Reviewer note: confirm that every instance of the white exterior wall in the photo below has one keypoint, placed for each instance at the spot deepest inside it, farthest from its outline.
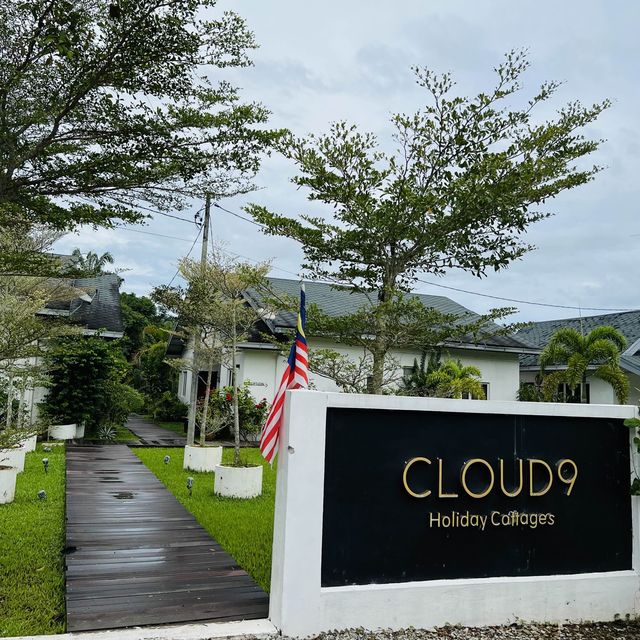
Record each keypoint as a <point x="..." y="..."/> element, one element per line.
<point x="634" y="390"/>
<point x="264" y="368"/>
<point x="601" y="392"/>
<point x="259" y="367"/>
<point x="184" y="390"/>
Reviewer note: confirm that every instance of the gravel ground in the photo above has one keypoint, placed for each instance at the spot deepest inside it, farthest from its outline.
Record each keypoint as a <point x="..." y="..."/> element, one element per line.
<point x="600" y="631"/>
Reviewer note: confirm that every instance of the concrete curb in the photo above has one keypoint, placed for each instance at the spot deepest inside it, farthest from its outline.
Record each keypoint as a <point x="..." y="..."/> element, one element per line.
<point x="197" y="631"/>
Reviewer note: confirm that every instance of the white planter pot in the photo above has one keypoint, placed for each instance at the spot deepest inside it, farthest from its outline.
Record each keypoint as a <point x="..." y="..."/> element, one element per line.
<point x="201" y="458"/>
<point x="79" y="431"/>
<point x="8" y="477"/>
<point x="238" y="482"/>
<point x="63" y="431"/>
<point x="29" y="444"/>
<point x="13" y="458"/>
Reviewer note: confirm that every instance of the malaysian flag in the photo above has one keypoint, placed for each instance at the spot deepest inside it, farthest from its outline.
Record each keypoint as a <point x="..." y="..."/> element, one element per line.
<point x="296" y="376"/>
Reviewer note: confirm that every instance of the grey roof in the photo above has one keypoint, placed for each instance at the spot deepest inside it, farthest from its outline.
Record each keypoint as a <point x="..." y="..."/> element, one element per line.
<point x="337" y="302"/>
<point x="103" y="311"/>
<point x="628" y="323"/>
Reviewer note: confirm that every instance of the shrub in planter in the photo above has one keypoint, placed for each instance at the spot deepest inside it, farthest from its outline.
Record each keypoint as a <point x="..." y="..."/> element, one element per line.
<point x="209" y="422"/>
<point x="240" y="481"/>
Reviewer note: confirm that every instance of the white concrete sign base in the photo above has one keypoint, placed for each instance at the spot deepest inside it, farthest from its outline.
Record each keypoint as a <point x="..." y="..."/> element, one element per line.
<point x="300" y="606"/>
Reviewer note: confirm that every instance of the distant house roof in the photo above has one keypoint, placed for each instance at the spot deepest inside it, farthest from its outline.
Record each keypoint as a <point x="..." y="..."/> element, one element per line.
<point x="628" y="323"/>
<point x="96" y="309"/>
<point x="338" y="302"/>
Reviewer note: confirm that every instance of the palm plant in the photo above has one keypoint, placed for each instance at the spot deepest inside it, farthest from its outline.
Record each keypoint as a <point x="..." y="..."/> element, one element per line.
<point x="578" y="354"/>
<point x="453" y="380"/>
<point x="417" y="382"/>
<point x="92" y="264"/>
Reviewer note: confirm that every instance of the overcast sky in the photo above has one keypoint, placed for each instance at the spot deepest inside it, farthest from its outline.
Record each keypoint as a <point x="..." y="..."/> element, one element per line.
<point x="326" y="61"/>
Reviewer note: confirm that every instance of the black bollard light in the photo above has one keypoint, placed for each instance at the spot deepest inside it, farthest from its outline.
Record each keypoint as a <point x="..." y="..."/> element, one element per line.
<point x="167" y="459"/>
<point x="190" y="485"/>
<point x="42" y="494"/>
<point x="45" y="463"/>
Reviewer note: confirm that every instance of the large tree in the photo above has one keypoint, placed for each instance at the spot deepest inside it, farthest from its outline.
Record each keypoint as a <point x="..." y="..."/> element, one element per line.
<point x="468" y="176"/>
<point x="107" y="106"/>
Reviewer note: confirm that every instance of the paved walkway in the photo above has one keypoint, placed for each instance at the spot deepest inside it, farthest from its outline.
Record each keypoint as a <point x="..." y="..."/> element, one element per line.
<point x="135" y="556"/>
<point x="152" y="435"/>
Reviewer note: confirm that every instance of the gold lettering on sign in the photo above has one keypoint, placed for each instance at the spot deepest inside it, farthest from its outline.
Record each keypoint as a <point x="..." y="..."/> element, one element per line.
<point x="511" y="494"/>
<point x="441" y="493"/>
<point x="572" y="480"/>
<point x="466" y="468"/>
<point x="533" y="493"/>
<point x="408" y="466"/>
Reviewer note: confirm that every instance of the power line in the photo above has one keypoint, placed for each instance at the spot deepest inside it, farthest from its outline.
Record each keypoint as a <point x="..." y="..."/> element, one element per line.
<point x="151" y="233"/>
<point x="433" y="284"/>
<point x="237" y="215"/>
<point x="149" y="209"/>
<point x="538" y="304"/>
<point x="175" y="275"/>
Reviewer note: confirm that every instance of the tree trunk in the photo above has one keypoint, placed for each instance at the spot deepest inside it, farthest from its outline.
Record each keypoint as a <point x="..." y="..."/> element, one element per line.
<point x="10" y="400"/>
<point x="380" y="344"/>
<point x="234" y="384"/>
<point x="377" y="371"/>
<point x="583" y="389"/>
<point x="23" y="390"/>
<point x="205" y="406"/>
<point x="193" y="394"/>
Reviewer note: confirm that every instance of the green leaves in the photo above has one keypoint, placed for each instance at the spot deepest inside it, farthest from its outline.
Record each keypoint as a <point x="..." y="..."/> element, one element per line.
<point x="578" y="354"/>
<point x="459" y="192"/>
<point x="107" y="105"/>
<point x="85" y="381"/>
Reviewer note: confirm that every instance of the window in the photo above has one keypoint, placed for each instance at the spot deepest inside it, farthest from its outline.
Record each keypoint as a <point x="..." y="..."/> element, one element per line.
<point x="407" y="371"/>
<point x="566" y="394"/>
<point x="485" y="388"/>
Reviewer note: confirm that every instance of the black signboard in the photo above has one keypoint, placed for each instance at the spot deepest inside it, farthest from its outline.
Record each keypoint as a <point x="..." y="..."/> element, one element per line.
<point x="413" y="495"/>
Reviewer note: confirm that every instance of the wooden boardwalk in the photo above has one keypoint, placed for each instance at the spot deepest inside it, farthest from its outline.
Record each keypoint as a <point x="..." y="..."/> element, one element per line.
<point x="152" y="435"/>
<point x="135" y="556"/>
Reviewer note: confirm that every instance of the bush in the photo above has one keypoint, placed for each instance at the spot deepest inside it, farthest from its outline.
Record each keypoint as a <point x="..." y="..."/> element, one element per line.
<point x="121" y="401"/>
<point x="167" y="407"/>
<point x="529" y="392"/>
<point x="252" y="415"/>
<point x="85" y="381"/>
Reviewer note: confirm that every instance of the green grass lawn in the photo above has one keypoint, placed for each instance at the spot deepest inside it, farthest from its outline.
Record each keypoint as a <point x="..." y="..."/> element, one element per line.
<point x="124" y="436"/>
<point x="178" y="427"/>
<point x="243" y="527"/>
<point x="31" y="547"/>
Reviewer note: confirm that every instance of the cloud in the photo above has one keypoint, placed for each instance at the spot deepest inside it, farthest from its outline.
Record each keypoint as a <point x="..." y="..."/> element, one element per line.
<point x="322" y="62"/>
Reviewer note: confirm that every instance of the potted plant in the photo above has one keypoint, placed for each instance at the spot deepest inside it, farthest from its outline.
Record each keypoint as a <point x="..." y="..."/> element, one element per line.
<point x="12" y="456"/>
<point x="217" y="316"/>
<point x="202" y="456"/>
<point x="240" y="480"/>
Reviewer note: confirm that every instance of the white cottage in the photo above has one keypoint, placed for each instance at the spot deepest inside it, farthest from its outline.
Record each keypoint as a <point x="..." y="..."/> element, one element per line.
<point x="597" y="391"/>
<point x="260" y="362"/>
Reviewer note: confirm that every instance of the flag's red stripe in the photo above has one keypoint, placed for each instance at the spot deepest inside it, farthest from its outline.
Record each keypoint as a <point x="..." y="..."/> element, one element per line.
<point x="295" y="376"/>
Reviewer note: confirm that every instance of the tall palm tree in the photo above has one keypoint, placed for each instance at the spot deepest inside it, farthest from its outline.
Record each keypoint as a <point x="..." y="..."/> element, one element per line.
<point x="92" y="264"/>
<point x="453" y="380"/>
<point x="600" y="348"/>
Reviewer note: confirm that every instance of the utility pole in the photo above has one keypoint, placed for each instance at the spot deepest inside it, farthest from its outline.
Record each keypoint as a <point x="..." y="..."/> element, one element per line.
<point x="195" y="373"/>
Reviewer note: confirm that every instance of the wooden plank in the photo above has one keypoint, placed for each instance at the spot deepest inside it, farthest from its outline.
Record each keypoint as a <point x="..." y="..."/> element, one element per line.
<point x="136" y="556"/>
